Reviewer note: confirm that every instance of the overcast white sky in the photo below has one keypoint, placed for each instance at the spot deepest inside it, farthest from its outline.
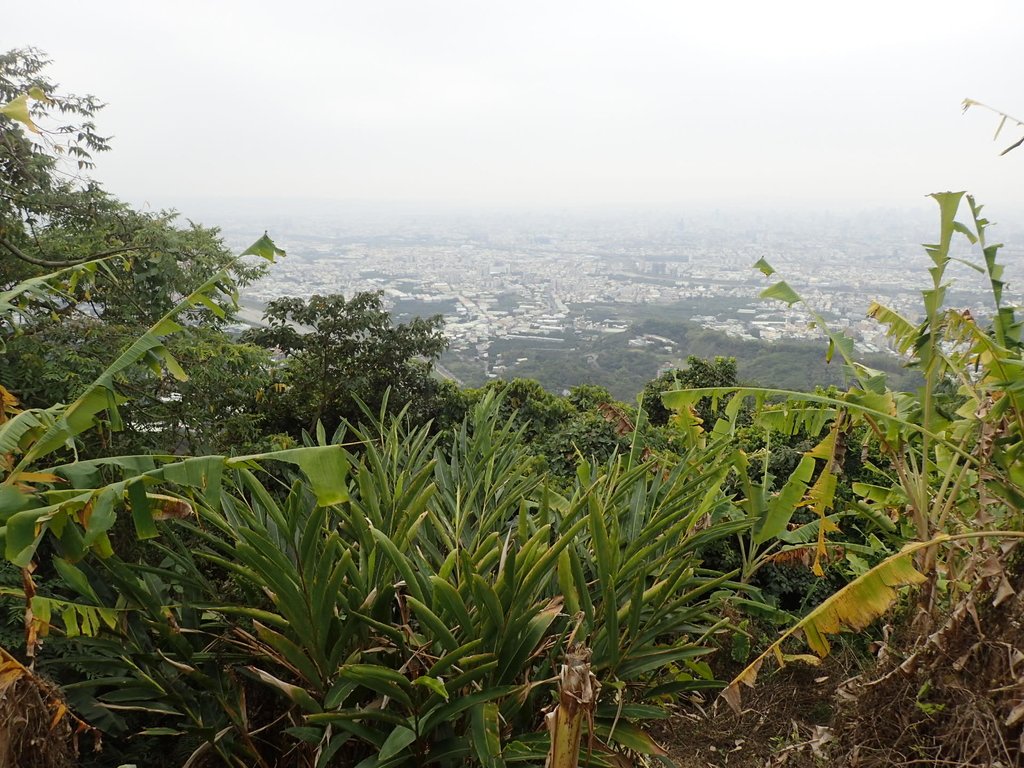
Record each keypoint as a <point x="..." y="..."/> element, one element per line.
<point x="541" y="103"/>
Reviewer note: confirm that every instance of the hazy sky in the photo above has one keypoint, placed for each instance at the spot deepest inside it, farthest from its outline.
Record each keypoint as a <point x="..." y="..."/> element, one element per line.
<point x="543" y="102"/>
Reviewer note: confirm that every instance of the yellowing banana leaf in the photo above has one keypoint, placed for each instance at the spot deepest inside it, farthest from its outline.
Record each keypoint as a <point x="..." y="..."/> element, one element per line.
<point x="17" y="109"/>
<point x="853" y="607"/>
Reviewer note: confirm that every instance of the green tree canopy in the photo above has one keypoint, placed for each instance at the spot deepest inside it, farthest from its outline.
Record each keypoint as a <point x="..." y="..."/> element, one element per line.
<point x="340" y="351"/>
<point x="698" y="373"/>
<point x="137" y="265"/>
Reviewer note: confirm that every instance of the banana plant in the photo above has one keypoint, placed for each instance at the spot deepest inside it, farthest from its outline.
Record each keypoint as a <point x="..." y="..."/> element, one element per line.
<point x="852" y="608"/>
<point x="30" y="497"/>
<point x="951" y="447"/>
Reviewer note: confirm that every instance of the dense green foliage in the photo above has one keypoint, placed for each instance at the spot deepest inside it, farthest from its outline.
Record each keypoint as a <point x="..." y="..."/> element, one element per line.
<point x="443" y="591"/>
<point x="341" y="354"/>
<point x="721" y="372"/>
<point x="399" y="585"/>
<point x="124" y="270"/>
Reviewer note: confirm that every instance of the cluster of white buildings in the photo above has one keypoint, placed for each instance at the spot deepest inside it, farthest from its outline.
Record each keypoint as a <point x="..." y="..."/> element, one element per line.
<point x="507" y="283"/>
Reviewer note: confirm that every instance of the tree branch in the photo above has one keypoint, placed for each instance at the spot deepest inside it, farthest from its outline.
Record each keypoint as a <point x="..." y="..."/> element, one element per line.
<point x="18" y="253"/>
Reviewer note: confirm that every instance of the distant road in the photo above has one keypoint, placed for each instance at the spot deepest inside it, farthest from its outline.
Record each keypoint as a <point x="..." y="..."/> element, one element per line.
<point x="446" y="374"/>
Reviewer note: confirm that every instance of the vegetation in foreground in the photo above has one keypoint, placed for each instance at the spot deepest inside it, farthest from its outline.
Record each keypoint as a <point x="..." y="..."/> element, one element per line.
<point x="331" y="559"/>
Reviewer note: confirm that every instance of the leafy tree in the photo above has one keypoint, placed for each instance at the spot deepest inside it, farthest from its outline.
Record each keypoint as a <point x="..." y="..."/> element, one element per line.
<point x="588" y="435"/>
<point x="38" y="189"/>
<point x="588" y="424"/>
<point x="217" y="409"/>
<point x="136" y="266"/>
<point x="698" y="373"/>
<point x="52" y="215"/>
<point x="339" y="352"/>
<point x="589" y="396"/>
<point x="436" y="400"/>
<point x="951" y="479"/>
<point x="538" y="411"/>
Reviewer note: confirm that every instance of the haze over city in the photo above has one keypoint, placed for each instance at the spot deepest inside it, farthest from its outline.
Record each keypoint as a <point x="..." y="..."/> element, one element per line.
<point x="548" y="176"/>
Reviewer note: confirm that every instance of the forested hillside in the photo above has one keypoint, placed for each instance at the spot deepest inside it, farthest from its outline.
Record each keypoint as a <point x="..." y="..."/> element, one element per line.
<point x="303" y="548"/>
<point x="611" y="361"/>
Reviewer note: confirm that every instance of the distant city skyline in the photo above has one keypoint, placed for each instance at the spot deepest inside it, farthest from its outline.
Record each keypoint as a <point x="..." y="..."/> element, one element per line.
<point x="534" y="104"/>
<point x="516" y="290"/>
